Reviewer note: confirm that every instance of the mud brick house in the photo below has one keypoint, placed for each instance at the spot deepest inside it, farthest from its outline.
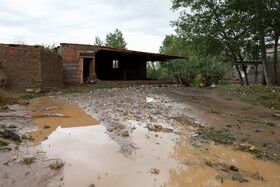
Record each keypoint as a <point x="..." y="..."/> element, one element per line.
<point x="31" y="67"/>
<point x="81" y="61"/>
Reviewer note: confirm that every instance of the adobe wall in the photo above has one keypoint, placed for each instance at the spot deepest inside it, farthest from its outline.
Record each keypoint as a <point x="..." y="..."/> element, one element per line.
<point x="30" y="67"/>
<point x="52" y="70"/>
<point x="22" y="66"/>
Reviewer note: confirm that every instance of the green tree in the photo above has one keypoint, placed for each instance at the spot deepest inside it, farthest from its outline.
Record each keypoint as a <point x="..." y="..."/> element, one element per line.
<point x="115" y="39"/>
<point x="98" y="41"/>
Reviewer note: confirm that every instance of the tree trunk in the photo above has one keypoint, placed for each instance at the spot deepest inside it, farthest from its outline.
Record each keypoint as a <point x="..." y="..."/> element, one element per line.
<point x="275" y="60"/>
<point x="239" y="73"/>
<point x="264" y="60"/>
<point x="245" y="73"/>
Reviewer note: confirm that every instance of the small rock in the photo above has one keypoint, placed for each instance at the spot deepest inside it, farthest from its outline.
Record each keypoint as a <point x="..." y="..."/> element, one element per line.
<point x="29" y="90"/>
<point x="125" y="134"/>
<point x="233" y="168"/>
<point x="37" y="91"/>
<point x="238" y="177"/>
<point x="277" y="115"/>
<point x="10" y="135"/>
<point x="252" y="148"/>
<point x="92" y="185"/>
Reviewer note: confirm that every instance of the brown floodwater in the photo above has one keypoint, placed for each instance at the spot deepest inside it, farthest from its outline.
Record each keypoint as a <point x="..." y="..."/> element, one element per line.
<point x="161" y="159"/>
<point x="51" y="114"/>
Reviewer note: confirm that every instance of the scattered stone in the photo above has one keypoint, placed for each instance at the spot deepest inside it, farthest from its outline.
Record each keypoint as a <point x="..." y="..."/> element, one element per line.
<point x="37" y="91"/>
<point x="233" y="168"/>
<point x="29" y="90"/>
<point x="125" y="134"/>
<point x="154" y="171"/>
<point x="92" y="185"/>
<point x="238" y="177"/>
<point x="10" y="135"/>
<point x="277" y="115"/>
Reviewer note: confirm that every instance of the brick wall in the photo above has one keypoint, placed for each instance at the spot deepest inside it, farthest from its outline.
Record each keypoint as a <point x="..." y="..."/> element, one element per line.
<point x="52" y="70"/>
<point x="71" y="61"/>
<point x="30" y="67"/>
<point x="70" y="64"/>
<point x="22" y="66"/>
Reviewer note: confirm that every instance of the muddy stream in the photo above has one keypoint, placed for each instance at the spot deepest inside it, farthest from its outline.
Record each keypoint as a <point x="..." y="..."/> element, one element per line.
<point x="160" y="158"/>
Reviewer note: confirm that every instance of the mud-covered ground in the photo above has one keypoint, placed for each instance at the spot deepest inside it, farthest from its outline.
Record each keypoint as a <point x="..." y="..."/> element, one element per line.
<point x="160" y="135"/>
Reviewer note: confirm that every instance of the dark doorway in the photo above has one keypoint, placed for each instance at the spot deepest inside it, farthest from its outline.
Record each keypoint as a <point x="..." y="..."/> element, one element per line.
<point x="86" y="69"/>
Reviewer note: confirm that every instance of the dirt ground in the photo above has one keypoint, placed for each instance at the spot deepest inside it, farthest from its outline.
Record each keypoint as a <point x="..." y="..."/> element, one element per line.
<point x="149" y="135"/>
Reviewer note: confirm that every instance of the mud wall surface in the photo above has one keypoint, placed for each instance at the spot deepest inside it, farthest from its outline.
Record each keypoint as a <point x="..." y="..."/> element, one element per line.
<point x="52" y="70"/>
<point x="22" y="66"/>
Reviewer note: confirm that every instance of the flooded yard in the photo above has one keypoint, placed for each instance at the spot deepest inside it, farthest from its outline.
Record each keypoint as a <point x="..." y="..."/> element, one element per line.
<point x="135" y="137"/>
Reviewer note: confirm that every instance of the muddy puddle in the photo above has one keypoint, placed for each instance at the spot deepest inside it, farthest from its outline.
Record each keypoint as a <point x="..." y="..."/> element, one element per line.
<point x="161" y="159"/>
<point x="51" y="114"/>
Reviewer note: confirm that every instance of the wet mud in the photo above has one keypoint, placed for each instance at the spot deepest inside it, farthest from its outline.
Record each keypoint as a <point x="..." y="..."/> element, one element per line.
<point x="102" y="155"/>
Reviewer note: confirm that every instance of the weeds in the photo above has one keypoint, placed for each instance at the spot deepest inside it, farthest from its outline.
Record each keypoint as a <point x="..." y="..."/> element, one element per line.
<point x="47" y="126"/>
<point x="219" y="136"/>
<point x="28" y="161"/>
<point x="56" y="165"/>
<point x="182" y="120"/>
<point x="268" y="96"/>
<point x="25" y="137"/>
<point x="214" y="111"/>
<point x="2" y="143"/>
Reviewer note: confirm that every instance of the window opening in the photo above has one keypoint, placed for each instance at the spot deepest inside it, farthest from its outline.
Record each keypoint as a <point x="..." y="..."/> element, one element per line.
<point x="115" y="64"/>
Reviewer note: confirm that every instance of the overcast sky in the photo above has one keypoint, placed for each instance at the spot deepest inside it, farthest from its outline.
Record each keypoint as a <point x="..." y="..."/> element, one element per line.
<point x="144" y="23"/>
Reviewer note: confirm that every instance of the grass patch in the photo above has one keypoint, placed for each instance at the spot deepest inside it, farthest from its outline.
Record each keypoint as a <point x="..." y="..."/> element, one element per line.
<point x="268" y="96"/>
<point x="25" y="137"/>
<point x="219" y="136"/>
<point x="3" y="143"/>
<point x="214" y="111"/>
<point x="270" y="124"/>
<point x="47" y="126"/>
<point x="28" y="161"/>
<point x="182" y="120"/>
<point x="5" y="149"/>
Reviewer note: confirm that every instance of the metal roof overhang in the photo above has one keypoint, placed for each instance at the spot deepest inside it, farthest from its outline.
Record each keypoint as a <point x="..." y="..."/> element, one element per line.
<point x="145" y="55"/>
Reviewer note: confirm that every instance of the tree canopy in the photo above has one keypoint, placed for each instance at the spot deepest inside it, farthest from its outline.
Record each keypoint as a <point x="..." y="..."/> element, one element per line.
<point x="240" y="27"/>
<point x="115" y="39"/>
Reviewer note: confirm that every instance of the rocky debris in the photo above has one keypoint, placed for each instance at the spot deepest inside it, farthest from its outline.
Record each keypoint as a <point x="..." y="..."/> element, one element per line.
<point x="154" y="171"/>
<point x="29" y="90"/>
<point x="92" y="185"/>
<point x="233" y="168"/>
<point x="277" y="115"/>
<point x="158" y="128"/>
<point x="10" y="135"/>
<point x="125" y="134"/>
<point x="238" y="177"/>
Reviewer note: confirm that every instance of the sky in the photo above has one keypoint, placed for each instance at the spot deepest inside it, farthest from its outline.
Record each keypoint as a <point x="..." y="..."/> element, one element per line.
<point x="144" y="23"/>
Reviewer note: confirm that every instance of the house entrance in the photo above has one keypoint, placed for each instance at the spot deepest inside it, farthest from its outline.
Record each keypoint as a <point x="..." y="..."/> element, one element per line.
<point x="87" y="65"/>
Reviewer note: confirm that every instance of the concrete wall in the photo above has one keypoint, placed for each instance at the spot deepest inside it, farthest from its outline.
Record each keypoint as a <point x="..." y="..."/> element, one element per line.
<point x="29" y="66"/>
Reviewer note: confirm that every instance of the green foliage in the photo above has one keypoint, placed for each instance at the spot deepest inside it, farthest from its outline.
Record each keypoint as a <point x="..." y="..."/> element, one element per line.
<point x="49" y="47"/>
<point x="115" y="39"/>
<point x="98" y="41"/>
<point x="204" y="60"/>
<point x="211" y="70"/>
<point x="3" y="143"/>
<point x="156" y="71"/>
